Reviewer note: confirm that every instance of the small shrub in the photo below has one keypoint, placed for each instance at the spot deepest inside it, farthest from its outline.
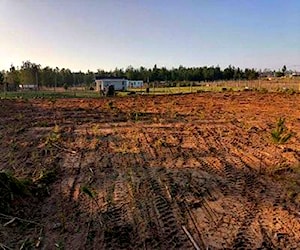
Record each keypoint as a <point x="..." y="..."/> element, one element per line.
<point x="54" y="136"/>
<point x="263" y="90"/>
<point x="291" y="91"/>
<point x="87" y="191"/>
<point x="136" y="116"/>
<point x="280" y="134"/>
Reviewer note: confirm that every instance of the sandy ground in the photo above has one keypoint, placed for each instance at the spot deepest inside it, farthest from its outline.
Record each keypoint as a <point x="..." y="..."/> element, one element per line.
<point x="153" y="172"/>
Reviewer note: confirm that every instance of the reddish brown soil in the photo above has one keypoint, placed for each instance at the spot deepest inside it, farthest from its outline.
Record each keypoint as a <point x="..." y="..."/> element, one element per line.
<point x="153" y="166"/>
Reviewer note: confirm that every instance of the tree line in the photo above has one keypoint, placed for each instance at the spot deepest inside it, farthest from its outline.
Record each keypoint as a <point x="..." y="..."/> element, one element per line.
<point x="181" y="73"/>
<point x="32" y="73"/>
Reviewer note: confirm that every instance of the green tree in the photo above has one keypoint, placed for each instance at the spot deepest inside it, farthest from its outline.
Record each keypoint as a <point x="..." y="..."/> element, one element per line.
<point x="283" y="69"/>
<point x="251" y="74"/>
<point x="66" y="77"/>
<point x="118" y="73"/>
<point x="279" y="74"/>
<point x="154" y="73"/>
<point x="30" y="73"/>
<point x="13" y="76"/>
<point x="229" y="73"/>
<point x="129" y="72"/>
<point x="89" y="78"/>
<point x="238" y="74"/>
<point x="47" y="77"/>
<point x="218" y="73"/>
<point x="1" y="77"/>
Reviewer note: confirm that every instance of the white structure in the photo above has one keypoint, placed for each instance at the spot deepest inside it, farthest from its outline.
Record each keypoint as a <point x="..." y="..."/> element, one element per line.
<point x="118" y="83"/>
<point x="295" y="74"/>
<point x="135" y="84"/>
<point x="28" y="86"/>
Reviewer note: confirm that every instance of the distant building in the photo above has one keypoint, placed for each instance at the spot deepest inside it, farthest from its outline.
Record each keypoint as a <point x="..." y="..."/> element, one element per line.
<point x="135" y="84"/>
<point x="295" y="74"/>
<point x="28" y="87"/>
<point x="117" y="83"/>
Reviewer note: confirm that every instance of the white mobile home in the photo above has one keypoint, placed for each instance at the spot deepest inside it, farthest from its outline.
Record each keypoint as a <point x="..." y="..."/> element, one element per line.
<point x="118" y="83"/>
<point x="28" y="86"/>
<point x="135" y="84"/>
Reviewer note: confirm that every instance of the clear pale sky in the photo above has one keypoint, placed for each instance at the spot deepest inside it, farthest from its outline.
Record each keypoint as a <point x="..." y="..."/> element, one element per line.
<point x="105" y="34"/>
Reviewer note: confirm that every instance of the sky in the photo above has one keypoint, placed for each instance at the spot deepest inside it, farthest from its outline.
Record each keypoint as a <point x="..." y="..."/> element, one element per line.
<point x="105" y="34"/>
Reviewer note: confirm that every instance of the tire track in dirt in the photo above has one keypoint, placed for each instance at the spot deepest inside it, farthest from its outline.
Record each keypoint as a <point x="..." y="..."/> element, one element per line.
<point x="208" y="168"/>
<point x="202" y="173"/>
<point x="267" y="242"/>
<point x="246" y="154"/>
<point x="281" y="224"/>
<point x="174" y="236"/>
<point x="150" y="149"/>
<point x="236" y="183"/>
<point x="149" y="236"/>
<point x="119" y="229"/>
<point x="243" y="182"/>
<point x="244" y="237"/>
<point x="118" y="233"/>
<point x="73" y="179"/>
<point x="159" y="209"/>
<point x="240" y="181"/>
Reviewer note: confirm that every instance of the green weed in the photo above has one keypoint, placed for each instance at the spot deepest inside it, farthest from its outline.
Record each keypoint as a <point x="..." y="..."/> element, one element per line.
<point x="88" y="192"/>
<point x="54" y="136"/>
<point x="280" y="134"/>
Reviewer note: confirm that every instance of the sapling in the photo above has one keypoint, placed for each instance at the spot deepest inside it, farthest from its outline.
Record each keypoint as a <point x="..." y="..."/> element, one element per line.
<point x="280" y="134"/>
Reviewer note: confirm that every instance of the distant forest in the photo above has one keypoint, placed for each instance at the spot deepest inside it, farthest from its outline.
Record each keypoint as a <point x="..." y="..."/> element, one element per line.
<point x="31" y="73"/>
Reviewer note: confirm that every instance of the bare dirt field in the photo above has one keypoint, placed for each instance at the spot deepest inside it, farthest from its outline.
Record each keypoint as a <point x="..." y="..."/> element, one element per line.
<point x="150" y="172"/>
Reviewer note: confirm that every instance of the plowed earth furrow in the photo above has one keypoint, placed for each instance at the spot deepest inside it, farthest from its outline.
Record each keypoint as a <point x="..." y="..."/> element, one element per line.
<point x="152" y="172"/>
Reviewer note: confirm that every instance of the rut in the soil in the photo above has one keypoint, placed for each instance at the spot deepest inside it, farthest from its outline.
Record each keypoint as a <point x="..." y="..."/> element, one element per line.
<point x="170" y="229"/>
<point x="118" y="234"/>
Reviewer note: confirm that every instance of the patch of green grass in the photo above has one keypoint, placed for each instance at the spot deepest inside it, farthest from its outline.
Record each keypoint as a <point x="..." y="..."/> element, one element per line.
<point x="187" y="89"/>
